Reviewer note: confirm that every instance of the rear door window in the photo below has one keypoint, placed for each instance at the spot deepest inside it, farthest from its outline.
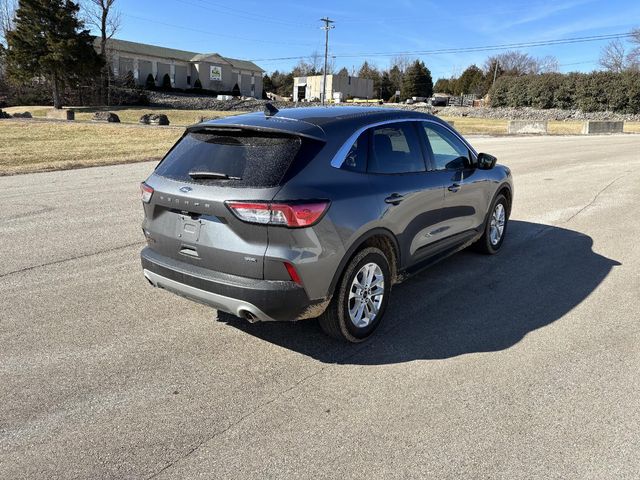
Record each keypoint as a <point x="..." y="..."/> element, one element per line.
<point x="236" y="158"/>
<point x="395" y="148"/>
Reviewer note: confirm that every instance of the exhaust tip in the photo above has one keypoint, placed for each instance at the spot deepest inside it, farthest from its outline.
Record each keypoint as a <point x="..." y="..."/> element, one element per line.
<point x="247" y="315"/>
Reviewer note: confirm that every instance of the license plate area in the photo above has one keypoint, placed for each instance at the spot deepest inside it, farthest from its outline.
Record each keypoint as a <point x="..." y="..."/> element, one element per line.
<point x="188" y="228"/>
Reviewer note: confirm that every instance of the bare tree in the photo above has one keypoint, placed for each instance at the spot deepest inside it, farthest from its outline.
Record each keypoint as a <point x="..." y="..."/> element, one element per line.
<point x="7" y="14"/>
<point x="102" y="15"/>
<point x="548" y="64"/>
<point x="316" y="60"/>
<point x="514" y="62"/>
<point x="613" y="56"/>
<point x="401" y="61"/>
<point x="633" y="58"/>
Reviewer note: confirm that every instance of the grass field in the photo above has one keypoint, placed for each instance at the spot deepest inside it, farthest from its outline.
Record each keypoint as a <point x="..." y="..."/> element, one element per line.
<point x="133" y="114"/>
<point x="33" y="146"/>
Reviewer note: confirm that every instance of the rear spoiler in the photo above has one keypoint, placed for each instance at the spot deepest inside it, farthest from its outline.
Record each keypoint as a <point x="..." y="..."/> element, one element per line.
<point x="260" y="123"/>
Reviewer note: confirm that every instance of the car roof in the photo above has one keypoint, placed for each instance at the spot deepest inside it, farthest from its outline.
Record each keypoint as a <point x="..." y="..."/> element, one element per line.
<point x="314" y="122"/>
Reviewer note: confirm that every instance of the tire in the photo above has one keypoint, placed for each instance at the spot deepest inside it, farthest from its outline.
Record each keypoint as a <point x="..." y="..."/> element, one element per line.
<point x="487" y="244"/>
<point x="337" y="321"/>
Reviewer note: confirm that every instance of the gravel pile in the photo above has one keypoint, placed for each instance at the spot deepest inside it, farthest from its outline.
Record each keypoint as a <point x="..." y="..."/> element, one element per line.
<point x="195" y="102"/>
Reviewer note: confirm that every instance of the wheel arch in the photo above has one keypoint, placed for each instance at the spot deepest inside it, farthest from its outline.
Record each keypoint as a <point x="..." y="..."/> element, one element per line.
<point x="378" y="237"/>
<point x="505" y="189"/>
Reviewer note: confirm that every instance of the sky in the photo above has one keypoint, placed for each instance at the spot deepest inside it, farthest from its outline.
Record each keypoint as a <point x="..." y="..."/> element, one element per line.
<point x="373" y="30"/>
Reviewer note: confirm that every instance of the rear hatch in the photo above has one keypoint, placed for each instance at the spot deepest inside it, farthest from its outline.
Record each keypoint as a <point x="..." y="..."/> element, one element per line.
<point x="187" y="219"/>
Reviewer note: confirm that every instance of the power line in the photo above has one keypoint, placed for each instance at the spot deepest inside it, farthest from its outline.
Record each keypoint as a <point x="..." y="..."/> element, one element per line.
<point x="485" y="48"/>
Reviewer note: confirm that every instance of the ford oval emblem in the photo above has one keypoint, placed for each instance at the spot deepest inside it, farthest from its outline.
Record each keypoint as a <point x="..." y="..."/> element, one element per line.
<point x="185" y="189"/>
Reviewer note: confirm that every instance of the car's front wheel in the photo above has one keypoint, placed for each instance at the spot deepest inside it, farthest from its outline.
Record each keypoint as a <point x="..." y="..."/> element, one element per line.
<point x="360" y="299"/>
<point x="495" y="227"/>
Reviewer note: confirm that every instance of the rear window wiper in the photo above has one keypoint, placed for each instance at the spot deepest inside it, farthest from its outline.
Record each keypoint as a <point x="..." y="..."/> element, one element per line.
<point x="217" y="175"/>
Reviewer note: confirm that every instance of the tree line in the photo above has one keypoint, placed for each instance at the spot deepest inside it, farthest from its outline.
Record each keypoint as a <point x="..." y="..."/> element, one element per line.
<point x="589" y="92"/>
<point x="411" y="78"/>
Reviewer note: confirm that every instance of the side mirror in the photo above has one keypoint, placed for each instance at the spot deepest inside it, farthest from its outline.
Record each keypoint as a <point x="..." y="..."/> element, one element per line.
<point x="486" y="161"/>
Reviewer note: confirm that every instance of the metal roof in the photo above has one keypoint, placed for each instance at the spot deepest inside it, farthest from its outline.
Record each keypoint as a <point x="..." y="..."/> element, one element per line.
<point x="171" y="53"/>
<point x="150" y="50"/>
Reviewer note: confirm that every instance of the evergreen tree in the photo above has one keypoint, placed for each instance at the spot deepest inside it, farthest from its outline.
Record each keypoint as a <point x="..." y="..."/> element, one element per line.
<point x="371" y="73"/>
<point x="387" y="90"/>
<point x="150" y="83"/>
<point x="443" y="85"/>
<point x="417" y="81"/>
<point x="49" y="42"/>
<point x="396" y="76"/>
<point x="471" y="81"/>
<point x="235" y="91"/>
<point x="267" y="84"/>
<point x="343" y="72"/>
<point x="166" y="83"/>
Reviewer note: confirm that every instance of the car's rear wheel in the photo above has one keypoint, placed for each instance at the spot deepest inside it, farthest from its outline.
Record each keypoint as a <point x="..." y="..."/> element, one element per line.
<point x="360" y="299"/>
<point x="495" y="227"/>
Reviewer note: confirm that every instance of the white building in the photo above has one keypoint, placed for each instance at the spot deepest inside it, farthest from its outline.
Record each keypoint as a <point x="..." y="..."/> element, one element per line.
<point x="339" y="87"/>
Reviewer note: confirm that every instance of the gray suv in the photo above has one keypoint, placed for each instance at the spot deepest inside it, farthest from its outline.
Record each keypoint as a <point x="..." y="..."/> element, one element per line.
<point x="316" y="212"/>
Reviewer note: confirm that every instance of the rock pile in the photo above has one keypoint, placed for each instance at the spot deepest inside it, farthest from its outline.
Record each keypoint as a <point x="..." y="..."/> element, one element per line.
<point x="22" y="115"/>
<point x="154" y="119"/>
<point x="109" y="117"/>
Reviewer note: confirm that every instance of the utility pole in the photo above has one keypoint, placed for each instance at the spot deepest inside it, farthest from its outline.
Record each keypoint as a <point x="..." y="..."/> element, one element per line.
<point x="495" y="72"/>
<point x="327" y="26"/>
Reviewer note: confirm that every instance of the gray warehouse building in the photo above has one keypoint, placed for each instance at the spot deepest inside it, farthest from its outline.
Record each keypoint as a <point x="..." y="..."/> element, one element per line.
<point x="339" y="87"/>
<point x="184" y="68"/>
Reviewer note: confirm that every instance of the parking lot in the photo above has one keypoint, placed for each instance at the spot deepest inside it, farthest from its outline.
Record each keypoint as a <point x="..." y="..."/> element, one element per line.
<point x="522" y="365"/>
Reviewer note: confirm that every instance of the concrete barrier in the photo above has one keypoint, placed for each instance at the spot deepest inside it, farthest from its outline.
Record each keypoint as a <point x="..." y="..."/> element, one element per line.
<point x="527" y="127"/>
<point x="61" y="114"/>
<point x="595" y="127"/>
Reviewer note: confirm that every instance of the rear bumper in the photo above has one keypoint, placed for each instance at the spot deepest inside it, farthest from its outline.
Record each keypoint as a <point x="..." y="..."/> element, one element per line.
<point x="263" y="300"/>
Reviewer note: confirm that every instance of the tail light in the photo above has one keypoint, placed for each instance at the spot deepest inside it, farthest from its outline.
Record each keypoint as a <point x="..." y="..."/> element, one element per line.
<point x="145" y="192"/>
<point x="292" y="215"/>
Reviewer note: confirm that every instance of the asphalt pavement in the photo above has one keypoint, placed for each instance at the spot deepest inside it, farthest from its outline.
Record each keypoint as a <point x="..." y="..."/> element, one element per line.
<point x="521" y="365"/>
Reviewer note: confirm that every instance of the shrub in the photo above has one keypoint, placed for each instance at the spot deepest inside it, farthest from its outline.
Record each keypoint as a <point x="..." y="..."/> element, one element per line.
<point x="631" y="82"/>
<point x="197" y="84"/>
<point x="591" y="95"/>
<point x="236" y="91"/>
<point x="542" y="88"/>
<point x="565" y="95"/>
<point x="166" y="83"/>
<point x="518" y="93"/>
<point x="498" y="92"/>
<point x="150" y="83"/>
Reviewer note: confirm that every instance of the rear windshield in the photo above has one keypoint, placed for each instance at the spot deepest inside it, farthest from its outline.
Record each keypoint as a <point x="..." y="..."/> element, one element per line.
<point x="238" y="158"/>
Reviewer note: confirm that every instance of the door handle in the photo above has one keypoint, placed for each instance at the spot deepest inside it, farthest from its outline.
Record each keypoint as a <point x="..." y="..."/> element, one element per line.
<point x="394" y="199"/>
<point x="454" y="188"/>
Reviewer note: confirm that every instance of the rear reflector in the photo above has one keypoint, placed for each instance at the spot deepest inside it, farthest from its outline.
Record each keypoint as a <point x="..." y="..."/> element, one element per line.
<point x="292" y="215"/>
<point x="293" y="273"/>
<point x="145" y="192"/>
